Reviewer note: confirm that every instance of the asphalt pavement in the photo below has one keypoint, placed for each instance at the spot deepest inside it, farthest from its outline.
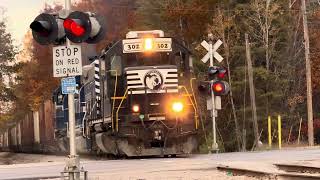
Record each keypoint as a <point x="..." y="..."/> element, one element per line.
<point x="191" y="167"/>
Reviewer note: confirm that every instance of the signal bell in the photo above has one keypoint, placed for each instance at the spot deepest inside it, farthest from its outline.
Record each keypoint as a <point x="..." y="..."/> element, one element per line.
<point x="47" y="29"/>
<point x="216" y="71"/>
<point x="84" y="27"/>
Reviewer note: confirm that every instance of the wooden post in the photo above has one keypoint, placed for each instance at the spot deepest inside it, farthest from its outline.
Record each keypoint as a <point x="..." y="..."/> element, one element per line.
<point x="279" y="132"/>
<point x="36" y="127"/>
<point x="299" y="131"/>
<point x="269" y="132"/>
<point x="308" y="73"/>
<point x="252" y="92"/>
<point x="289" y="137"/>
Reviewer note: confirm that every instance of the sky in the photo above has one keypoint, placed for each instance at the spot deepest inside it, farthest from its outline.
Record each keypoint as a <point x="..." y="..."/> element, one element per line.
<point x="20" y="13"/>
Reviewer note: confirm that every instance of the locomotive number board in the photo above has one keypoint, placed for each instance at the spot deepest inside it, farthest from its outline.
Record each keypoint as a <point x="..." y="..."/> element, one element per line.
<point x="147" y="45"/>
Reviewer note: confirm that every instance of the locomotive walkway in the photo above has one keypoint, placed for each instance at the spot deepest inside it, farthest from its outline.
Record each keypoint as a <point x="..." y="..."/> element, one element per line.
<point x="204" y="167"/>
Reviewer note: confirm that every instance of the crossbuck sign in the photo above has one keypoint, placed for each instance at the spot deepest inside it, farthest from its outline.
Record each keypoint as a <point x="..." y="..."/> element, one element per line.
<point x="212" y="52"/>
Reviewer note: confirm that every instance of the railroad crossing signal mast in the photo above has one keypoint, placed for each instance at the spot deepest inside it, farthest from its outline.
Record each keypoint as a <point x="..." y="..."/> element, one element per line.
<point x="76" y="27"/>
<point x="214" y="86"/>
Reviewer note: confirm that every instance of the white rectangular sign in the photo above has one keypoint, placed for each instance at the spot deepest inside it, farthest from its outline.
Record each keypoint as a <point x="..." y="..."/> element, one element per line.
<point x="137" y="45"/>
<point x="67" y="61"/>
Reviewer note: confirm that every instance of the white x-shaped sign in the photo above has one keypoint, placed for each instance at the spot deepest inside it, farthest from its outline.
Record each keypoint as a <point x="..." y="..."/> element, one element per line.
<point x="214" y="51"/>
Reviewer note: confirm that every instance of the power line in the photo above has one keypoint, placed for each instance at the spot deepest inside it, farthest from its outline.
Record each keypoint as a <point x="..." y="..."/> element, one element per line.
<point x="197" y="10"/>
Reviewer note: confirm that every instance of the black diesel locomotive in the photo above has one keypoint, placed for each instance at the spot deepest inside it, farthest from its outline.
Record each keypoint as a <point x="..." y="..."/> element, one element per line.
<point x="136" y="99"/>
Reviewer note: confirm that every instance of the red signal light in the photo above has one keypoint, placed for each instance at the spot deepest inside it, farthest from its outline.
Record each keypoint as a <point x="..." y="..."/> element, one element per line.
<point x="218" y="87"/>
<point x="77" y="29"/>
<point x="74" y="27"/>
<point x="67" y="24"/>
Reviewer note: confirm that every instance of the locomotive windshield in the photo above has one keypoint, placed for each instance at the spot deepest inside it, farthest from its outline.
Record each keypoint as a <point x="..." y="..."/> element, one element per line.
<point x="147" y="59"/>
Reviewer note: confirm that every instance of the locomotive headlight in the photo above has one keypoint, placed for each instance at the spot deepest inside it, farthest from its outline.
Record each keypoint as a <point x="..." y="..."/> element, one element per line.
<point x="148" y="44"/>
<point x="177" y="107"/>
<point x="135" y="108"/>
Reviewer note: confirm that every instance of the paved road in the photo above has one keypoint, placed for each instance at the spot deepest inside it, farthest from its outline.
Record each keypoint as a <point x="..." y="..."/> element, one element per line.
<point x="194" y="167"/>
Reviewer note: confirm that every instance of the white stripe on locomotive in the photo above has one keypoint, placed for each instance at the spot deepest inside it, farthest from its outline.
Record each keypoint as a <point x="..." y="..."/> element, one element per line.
<point x="97" y="84"/>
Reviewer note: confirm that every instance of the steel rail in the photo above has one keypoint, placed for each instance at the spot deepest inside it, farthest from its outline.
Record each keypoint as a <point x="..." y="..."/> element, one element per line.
<point x="298" y="168"/>
<point x="265" y="174"/>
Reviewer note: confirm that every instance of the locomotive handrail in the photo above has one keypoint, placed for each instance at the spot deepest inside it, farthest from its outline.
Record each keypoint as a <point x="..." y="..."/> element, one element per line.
<point x="194" y="96"/>
<point x="81" y="90"/>
<point x="90" y="112"/>
<point x="195" y="110"/>
<point x="85" y="113"/>
<point x="114" y="96"/>
<point x="83" y="125"/>
<point x="195" y="100"/>
<point x="117" y="113"/>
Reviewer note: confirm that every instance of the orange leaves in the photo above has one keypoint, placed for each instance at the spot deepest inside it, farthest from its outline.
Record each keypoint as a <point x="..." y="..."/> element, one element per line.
<point x="118" y="16"/>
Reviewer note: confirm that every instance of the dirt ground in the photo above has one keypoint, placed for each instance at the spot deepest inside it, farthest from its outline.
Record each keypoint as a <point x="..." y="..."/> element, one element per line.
<point x="7" y="158"/>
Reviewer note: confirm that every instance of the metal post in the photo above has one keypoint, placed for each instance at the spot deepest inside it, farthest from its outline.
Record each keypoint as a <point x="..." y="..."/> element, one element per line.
<point x="214" y="112"/>
<point x="72" y="137"/>
<point x="73" y="162"/>
<point x="68" y="8"/>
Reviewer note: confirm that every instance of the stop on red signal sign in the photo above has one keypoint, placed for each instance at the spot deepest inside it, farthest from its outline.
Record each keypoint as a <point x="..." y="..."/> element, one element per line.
<point x="67" y="61"/>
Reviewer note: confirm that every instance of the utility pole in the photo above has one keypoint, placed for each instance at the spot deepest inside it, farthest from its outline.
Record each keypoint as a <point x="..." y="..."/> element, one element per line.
<point x="308" y="73"/>
<point x="252" y="92"/>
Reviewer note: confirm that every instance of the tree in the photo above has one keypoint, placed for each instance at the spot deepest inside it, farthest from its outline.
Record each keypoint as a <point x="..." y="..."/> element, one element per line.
<point x="36" y="83"/>
<point x="183" y="19"/>
<point x="7" y="69"/>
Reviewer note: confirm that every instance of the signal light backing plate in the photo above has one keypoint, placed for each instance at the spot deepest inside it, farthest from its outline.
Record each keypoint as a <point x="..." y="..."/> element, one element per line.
<point x="52" y="32"/>
<point x="101" y="34"/>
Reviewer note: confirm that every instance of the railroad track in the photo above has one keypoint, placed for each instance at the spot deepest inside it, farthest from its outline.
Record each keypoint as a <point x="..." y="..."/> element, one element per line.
<point x="292" y="172"/>
<point x="298" y="168"/>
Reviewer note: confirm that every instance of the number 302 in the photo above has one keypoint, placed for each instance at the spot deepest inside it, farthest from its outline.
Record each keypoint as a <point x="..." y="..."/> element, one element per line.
<point x="133" y="46"/>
